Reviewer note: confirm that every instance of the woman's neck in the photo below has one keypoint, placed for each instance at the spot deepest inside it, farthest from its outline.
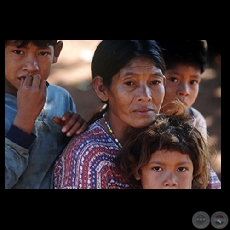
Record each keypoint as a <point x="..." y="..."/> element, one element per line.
<point x="114" y="128"/>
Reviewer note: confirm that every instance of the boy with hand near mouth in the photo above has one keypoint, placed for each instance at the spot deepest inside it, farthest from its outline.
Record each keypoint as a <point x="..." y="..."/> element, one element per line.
<point x="39" y="118"/>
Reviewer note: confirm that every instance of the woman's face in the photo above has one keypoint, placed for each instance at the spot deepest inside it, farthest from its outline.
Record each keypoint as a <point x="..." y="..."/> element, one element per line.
<point x="136" y="94"/>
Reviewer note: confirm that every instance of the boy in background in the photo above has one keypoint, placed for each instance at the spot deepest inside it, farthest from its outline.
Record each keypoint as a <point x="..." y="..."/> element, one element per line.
<point x="186" y="61"/>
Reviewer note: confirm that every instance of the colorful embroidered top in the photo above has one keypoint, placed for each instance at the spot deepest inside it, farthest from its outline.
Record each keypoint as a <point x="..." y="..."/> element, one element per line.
<point x="214" y="182"/>
<point x="88" y="162"/>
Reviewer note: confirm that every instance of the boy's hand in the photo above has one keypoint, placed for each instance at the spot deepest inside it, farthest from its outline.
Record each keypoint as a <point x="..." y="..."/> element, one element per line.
<point x="31" y="97"/>
<point x="72" y="123"/>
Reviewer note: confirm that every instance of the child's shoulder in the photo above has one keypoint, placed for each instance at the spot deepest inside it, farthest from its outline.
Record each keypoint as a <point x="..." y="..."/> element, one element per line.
<point x="56" y="89"/>
<point x="194" y="112"/>
<point x="200" y="121"/>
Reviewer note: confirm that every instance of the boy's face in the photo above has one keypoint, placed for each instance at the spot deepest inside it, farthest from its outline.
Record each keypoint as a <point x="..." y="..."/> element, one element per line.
<point x="25" y="62"/>
<point x="167" y="170"/>
<point x="182" y="82"/>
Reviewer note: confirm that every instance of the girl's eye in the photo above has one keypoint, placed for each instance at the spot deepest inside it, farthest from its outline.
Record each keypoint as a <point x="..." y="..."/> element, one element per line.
<point x="157" y="168"/>
<point x="181" y="169"/>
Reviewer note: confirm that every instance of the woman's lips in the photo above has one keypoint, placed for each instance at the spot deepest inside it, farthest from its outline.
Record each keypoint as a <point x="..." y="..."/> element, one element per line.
<point x="143" y="111"/>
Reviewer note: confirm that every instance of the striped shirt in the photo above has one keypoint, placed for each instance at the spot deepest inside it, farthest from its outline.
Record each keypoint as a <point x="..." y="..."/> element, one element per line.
<point x="88" y="162"/>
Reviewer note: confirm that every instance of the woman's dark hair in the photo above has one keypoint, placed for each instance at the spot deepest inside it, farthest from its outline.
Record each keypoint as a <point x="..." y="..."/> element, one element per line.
<point x="189" y="52"/>
<point x="111" y="56"/>
<point x="174" y="132"/>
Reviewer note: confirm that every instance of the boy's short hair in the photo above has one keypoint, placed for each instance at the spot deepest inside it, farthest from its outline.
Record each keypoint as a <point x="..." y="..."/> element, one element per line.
<point x="39" y="43"/>
<point x="188" y="52"/>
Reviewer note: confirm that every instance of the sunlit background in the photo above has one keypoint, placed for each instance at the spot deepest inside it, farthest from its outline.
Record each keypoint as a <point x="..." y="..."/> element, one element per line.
<point x="73" y="72"/>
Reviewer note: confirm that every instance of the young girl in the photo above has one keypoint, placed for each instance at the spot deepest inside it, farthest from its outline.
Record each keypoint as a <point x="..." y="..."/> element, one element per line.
<point x="168" y="154"/>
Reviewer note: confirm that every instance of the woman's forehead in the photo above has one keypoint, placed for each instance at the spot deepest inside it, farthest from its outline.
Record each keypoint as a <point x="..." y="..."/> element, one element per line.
<point x="137" y="70"/>
<point x="140" y="61"/>
<point x="139" y="66"/>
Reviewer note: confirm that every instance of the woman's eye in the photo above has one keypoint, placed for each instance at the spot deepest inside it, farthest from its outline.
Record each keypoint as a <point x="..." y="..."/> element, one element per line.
<point x="129" y="83"/>
<point x="156" y="82"/>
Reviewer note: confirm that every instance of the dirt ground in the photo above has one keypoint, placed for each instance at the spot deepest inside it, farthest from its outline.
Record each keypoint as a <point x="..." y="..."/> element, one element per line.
<point x="73" y="73"/>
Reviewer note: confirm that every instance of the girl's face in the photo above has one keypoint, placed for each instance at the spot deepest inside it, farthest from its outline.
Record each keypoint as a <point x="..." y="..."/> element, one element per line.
<point x="182" y="82"/>
<point x="167" y="170"/>
<point x="135" y="95"/>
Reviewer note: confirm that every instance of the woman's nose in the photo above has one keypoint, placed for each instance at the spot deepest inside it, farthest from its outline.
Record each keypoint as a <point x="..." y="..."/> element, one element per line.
<point x="144" y="94"/>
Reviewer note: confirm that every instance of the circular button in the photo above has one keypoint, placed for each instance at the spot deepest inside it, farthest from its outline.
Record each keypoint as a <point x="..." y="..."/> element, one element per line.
<point x="201" y="220"/>
<point x="219" y="220"/>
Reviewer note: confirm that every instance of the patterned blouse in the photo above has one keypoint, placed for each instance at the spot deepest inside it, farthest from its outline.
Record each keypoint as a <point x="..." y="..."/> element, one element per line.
<point x="88" y="162"/>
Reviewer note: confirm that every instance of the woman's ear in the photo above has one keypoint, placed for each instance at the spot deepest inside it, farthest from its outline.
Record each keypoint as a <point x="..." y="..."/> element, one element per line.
<point x="57" y="51"/>
<point x="100" y="89"/>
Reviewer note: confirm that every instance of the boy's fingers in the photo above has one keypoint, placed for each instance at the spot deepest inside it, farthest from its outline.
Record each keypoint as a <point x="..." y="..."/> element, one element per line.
<point x="71" y="123"/>
<point x="78" y="128"/>
<point x="68" y="115"/>
<point x="58" y="120"/>
<point x="82" y="128"/>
